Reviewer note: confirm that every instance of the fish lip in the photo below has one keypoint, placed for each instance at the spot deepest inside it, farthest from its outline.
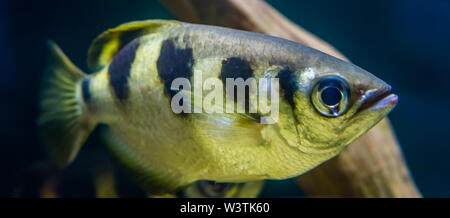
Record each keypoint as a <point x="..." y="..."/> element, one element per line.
<point x="387" y="102"/>
<point x="377" y="99"/>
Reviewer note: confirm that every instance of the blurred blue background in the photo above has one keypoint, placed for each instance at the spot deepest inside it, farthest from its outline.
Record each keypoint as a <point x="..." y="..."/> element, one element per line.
<point x="404" y="42"/>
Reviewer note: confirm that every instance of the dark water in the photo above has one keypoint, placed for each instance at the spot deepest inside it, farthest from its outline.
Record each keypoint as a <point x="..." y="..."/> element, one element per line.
<point x="404" y="42"/>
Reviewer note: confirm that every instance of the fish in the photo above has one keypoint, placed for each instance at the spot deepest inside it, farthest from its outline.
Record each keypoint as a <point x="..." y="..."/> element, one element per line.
<point x="138" y="71"/>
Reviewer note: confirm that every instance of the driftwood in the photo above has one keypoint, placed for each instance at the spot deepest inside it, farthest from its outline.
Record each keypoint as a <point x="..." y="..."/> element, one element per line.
<point x="373" y="165"/>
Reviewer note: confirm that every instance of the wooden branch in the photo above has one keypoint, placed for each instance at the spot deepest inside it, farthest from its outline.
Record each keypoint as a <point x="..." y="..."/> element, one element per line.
<point x="373" y="165"/>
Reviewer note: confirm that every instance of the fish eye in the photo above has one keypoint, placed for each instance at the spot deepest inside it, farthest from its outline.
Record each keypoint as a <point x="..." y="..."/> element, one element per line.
<point x="330" y="96"/>
<point x="214" y="189"/>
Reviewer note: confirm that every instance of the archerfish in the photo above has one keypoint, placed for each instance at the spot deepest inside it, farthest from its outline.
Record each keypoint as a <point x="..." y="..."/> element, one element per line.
<point x="324" y="104"/>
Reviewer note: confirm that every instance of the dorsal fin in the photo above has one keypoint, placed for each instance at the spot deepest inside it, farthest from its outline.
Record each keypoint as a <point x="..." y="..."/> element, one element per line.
<point x="108" y="43"/>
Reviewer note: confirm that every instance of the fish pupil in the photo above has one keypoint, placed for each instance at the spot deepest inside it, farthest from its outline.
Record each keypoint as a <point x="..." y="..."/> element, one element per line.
<point x="331" y="96"/>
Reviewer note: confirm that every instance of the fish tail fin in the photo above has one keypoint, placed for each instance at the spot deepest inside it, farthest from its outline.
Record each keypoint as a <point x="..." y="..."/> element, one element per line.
<point x="64" y="123"/>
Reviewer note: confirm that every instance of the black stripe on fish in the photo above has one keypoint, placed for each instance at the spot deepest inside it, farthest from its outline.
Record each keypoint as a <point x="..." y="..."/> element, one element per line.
<point x="130" y="35"/>
<point x="174" y="62"/>
<point x="235" y="67"/>
<point x="288" y="83"/>
<point x="120" y="68"/>
<point x="85" y="92"/>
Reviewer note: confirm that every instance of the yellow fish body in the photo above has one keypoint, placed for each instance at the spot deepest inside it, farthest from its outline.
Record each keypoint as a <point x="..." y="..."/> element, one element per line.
<point x="324" y="104"/>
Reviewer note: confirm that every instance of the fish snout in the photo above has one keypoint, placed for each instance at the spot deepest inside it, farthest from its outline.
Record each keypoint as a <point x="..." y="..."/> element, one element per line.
<point x="376" y="99"/>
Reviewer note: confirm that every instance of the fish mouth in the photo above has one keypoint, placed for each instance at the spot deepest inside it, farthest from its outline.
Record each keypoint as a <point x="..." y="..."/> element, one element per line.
<point x="378" y="99"/>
